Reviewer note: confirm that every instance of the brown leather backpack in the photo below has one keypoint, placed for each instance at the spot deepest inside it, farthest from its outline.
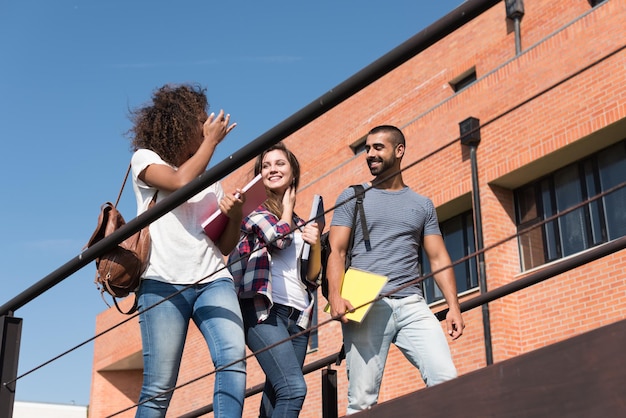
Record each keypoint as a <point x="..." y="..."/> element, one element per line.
<point x="118" y="271"/>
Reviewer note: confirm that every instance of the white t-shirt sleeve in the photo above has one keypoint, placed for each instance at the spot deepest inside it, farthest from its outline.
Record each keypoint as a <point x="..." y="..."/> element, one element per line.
<point x="181" y="252"/>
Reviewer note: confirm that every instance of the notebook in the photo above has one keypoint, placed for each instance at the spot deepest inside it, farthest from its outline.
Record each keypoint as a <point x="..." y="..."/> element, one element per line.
<point x="255" y="194"/>
<point x="360" y="287"/>
<point x="317" y="213"/>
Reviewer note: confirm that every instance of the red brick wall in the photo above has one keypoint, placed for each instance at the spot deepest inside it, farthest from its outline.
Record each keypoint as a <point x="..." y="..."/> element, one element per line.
<point x="566" y="85"/>
<point x="115" y="390"/>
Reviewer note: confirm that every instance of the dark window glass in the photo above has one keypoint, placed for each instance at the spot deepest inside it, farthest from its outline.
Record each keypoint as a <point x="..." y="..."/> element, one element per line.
<point x="458" y="235"/>
<point x="568" y="192"/>
<point x="464" y="82"/>
<point x="612" y="164"/>
<point x="581" y="226"/>
<point x="594" y="207"/>
<point x="550" y="229"/>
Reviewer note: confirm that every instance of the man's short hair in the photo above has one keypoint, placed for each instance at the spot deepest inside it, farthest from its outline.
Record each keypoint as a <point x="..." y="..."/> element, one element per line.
<point x="396" y="135"/>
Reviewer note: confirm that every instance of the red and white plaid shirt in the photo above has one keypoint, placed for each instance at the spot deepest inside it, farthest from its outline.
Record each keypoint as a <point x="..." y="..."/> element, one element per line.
<point x="249" y="263"/>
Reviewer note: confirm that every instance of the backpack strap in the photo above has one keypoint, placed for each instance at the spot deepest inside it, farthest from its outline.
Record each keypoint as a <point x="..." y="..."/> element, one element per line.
<point x="359" y="192"/>
<point x="119" y="195"/>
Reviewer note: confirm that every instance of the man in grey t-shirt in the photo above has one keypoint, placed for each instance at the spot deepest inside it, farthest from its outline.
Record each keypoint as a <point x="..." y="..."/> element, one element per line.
<point x="399" y="222"/>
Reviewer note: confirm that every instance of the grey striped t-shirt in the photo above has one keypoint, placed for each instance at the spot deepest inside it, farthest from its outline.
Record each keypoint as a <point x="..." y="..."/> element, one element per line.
<point x="395" y="220"/>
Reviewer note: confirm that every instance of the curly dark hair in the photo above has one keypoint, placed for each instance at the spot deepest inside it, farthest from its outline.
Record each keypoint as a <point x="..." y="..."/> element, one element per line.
<point x="170" y="121"/>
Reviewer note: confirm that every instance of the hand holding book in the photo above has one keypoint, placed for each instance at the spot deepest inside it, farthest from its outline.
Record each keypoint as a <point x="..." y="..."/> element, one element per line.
<point x="360" y="287"/>
<point x="317" y="216"/>
<point x="255" y="195"/>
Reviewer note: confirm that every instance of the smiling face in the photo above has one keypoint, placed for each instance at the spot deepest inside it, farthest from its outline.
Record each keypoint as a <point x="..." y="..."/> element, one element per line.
<point x="276" y="171"/>
<point x="383" y="154"/>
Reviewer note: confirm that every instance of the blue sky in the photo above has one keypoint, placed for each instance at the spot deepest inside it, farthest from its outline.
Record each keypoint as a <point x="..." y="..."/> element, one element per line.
<point x="69" y="73"/>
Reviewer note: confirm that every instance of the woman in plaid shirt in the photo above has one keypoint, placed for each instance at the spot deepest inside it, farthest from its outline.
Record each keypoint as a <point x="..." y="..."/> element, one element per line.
<point x="276" y="297"/>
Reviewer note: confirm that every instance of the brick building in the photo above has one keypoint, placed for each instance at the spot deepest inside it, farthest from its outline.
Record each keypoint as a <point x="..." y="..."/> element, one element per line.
<point x="547" y="94"/>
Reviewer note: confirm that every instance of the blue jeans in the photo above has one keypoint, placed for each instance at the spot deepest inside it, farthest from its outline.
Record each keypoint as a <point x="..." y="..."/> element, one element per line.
<point x="285" y="387"/>
<point x="409" y="324"/>
<point x="215" y="310"/>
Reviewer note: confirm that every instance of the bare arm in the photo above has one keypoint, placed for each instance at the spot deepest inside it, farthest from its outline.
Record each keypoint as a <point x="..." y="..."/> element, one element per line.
<point x="166" y="178"/>
<point x="339" y="239"/>
<point x="231" y="205"/>
<point x="439" y="259"/>
<point x="311" y="235"/>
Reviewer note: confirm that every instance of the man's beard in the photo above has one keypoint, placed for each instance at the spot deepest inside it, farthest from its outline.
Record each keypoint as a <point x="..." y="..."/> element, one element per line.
<point x="381" y="168"/>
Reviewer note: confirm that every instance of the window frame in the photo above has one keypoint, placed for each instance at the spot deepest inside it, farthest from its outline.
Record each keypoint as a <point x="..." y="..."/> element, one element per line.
<point x="595" y="226"/>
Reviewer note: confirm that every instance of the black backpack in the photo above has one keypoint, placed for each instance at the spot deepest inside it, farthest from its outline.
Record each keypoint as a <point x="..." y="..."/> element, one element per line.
<point x="360" y="193"/>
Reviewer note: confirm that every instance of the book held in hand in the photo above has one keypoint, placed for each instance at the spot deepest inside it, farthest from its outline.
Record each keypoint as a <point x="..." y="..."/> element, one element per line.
<point x="255" y="195"/>
<point x="317" y="215"/>
<point x="360" y="287"/>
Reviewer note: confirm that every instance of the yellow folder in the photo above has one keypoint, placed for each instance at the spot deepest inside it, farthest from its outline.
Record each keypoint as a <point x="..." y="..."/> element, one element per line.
<point x="360" y="287"/>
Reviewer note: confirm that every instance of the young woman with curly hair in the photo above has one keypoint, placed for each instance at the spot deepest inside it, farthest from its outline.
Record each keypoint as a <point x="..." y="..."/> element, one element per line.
<point x="186" y="278"/>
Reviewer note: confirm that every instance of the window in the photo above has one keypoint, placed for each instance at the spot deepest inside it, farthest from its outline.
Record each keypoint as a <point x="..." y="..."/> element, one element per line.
<point x="464" y="80"/>
<point x="359" y="145"/>
<point x="594" y="3"/>
<point x="458" y="234"/>
<point x="594" y="223"/>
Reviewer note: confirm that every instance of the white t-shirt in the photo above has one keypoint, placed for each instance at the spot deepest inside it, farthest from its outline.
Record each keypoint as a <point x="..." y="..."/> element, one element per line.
<point x="181" y="253"/>
<point x="287" y="288"/>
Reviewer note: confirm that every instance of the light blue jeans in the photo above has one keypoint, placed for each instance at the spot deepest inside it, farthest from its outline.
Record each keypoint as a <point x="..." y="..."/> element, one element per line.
<point x="413" y="328"/>
<point x="214" y="308"/>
